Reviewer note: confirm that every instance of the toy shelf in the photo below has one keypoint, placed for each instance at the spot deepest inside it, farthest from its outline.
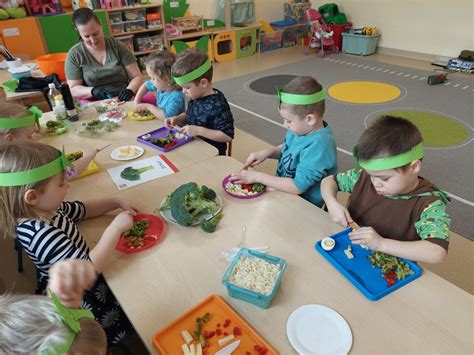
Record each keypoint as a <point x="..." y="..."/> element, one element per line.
<point x="136" y="32"/>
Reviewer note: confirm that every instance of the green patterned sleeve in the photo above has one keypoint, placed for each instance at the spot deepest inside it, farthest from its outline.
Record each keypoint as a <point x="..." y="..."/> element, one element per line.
<point x="347" y="179"/>
<point x="434" y="222"/>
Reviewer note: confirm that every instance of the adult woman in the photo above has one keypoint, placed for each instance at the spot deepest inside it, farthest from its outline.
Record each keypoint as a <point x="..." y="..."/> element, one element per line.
<point x="99" y="67"/>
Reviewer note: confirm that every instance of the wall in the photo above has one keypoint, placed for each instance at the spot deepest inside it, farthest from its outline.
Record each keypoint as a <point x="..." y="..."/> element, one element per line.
<point x="434" y="27"/>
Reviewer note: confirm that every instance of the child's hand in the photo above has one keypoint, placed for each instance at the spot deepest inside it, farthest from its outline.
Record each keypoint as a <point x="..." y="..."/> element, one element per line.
<point x="90" y="154"/>
<point x="367" y="236"/>
<point x="256" y="158"/>
<point x="128" y="206"/>
<point x="170" y="121"/>
<point x="191" y="130"/>
<point x="69" y="278"/>
<point x="245" y="177"/>
<point x="339" y="214"/>
<point x="142" y="107"/>
<point x="122" y="222"/>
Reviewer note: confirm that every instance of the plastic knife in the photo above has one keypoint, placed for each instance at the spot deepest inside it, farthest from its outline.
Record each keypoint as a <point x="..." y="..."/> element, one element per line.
<point x="229" y="348"/>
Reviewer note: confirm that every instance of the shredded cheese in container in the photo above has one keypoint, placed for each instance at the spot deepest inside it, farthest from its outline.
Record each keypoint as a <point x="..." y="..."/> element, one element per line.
<point x="255" y="274"/>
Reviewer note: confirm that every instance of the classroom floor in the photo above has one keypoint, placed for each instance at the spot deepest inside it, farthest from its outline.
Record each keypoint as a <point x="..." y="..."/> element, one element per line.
<point x="457" y="268"/>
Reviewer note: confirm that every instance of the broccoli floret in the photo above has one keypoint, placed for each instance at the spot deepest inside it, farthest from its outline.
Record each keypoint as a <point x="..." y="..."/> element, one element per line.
<point x="187" y="203"/>
<point x="166" y="204"/>
<point x="133" y="174"/>
<point x="208" y="193"/>
<point x="210" y="225"/>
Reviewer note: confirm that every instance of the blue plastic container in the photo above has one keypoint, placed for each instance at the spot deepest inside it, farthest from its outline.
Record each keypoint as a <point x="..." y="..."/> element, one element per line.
<point x="359" y="44"/>
<point x="243" y="294"/>
<point x="359" y="271"/>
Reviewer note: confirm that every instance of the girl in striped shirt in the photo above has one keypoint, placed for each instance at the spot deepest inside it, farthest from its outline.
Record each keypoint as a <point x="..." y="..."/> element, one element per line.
<point x="33" y="186"/>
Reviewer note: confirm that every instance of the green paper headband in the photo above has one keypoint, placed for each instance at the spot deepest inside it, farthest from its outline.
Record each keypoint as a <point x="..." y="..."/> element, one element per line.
<point x="393" y="162"/>
<point x="31" y="176"/>
<point x="196" y="73"/>
<point x="297" y="99"/>
<point x="70" y="317"/>
<point x="19" y="122"/>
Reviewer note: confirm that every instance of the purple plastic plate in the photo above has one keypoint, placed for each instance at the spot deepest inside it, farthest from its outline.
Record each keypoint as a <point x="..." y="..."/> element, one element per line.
<point x="226" y="180"/>
<point x="162" y="133"/>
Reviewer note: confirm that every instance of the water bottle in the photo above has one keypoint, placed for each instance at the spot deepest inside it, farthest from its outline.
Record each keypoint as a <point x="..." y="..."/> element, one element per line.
<point x="69" y="103"/>
<point x="57" y="102"/>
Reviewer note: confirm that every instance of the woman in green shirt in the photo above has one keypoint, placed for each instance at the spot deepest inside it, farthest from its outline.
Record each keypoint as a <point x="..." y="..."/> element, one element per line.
<point x="98" y="67"/>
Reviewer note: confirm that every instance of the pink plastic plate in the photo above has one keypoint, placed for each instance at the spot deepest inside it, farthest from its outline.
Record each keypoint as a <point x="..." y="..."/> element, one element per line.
<point x="227" y="179"/>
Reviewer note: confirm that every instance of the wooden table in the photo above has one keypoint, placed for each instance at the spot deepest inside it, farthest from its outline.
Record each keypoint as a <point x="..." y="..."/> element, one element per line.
<point x="21" y="96"/>
<point x="154" y="287"/>
<point x="100" y="184"/>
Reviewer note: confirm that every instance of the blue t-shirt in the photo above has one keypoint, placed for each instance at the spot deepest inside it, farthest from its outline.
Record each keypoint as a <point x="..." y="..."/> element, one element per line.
<point x="213" y="112"/>
<point x="307" y="160"/>
<point x="172" y="102"/>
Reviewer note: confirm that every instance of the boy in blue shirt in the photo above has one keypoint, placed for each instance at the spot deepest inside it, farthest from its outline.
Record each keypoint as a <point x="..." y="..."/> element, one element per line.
<point x="208" y="115"/>
<point x="308" y="153"/>
<point x="169" y="97"/>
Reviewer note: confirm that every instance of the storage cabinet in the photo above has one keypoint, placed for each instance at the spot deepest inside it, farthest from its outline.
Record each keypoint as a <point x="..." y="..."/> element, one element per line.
<point x="23" y="37"/>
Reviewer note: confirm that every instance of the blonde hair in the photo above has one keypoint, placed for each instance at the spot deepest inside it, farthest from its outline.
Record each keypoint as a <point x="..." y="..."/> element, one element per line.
<point x="11" y="110"/>
<point x="16" y="157"/>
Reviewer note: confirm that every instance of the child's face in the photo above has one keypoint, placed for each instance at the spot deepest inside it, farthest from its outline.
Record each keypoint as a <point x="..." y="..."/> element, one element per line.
<point x="299" y="126"/>
<point x="53" y="194"/>
<point x="395" y="182"/>
<point x="158" y="82"/>
<point x="194" y="91"/>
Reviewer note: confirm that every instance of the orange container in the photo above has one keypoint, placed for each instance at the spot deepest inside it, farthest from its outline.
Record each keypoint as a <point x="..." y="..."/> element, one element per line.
<point x="53" y="63"/>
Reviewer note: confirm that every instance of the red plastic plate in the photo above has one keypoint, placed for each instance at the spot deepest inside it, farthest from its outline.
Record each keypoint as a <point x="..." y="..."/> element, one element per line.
<point x="153" y="234"/>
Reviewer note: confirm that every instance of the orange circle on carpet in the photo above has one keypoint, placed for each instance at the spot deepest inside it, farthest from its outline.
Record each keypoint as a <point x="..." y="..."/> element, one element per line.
<point x="364" y="92"/>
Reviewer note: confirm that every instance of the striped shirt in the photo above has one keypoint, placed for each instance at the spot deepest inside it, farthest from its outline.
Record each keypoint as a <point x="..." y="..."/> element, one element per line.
<point x="48" y="241"/>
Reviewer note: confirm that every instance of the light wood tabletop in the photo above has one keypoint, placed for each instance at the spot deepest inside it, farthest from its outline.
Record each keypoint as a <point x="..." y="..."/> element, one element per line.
<point x="156" y="286"/>
<point x="20" y="96"/>
<point x="100" y="184"/>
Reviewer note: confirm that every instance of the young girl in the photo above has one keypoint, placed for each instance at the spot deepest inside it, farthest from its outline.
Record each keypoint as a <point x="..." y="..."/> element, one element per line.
<point x="169" y="97"/>
<point x="32" y="188"/>
<point x="18" y="123"/>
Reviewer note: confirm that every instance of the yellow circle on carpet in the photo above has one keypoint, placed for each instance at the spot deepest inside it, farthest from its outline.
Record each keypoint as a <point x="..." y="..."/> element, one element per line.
<point x="364" y="92"/>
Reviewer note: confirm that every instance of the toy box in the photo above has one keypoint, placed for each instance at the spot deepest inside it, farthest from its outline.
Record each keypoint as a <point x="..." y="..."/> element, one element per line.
<point x="148" y="43"/>
<point x="188" y="23"/>
<point x="296" y="11"/>
<point x="115" y="17"/>
<point x="134" y="15"/>
<point x="270" y="41"/>
<point x="117" y="28"/>
<point x="127" y="41"/>
<point x="153" y="20"/>
<point x="359" y="44"/>
<point x="133" y="26"/>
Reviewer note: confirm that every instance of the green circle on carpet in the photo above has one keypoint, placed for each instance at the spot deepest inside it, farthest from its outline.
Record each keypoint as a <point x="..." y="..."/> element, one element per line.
<point x="437" y="130"/>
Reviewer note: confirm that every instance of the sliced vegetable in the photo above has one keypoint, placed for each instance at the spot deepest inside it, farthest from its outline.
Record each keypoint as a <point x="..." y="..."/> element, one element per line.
<point x="186" y="336"/>
<point x="225" y="340"/>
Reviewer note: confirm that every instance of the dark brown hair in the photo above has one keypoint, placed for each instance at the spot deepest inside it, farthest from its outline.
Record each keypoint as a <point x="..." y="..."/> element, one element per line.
<point x="304" y="85"/>
<point x="386" y="137"/>
<point x="189" y="60"/>
<point x="83" y="15"/>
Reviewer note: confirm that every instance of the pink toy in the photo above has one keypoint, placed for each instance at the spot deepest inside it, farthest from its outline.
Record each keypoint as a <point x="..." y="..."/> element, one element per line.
<point x="321" y="35"/>
<point x="45" y="7"/>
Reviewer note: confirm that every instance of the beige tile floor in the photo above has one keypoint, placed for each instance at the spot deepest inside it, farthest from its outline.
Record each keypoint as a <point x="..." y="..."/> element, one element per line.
<point x="457" y="268"/>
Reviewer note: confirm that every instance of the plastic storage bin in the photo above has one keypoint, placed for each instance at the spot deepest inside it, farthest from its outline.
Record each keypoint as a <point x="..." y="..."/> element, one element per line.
<point x="115" y="17"/>
<point x="270" y="41"/>
<point x="132" y="26"/>
<point x="296" y="11"/>
<point x="148" y="43"/>
<point x="118" y="28"/>
<point x="134" y="15"/>
<point x="127" y="41"/>
<point x="359" y="44"/>
<point x="247" y="295"/>
<point x="338" y="30"/>
<point x="154" y="20"/>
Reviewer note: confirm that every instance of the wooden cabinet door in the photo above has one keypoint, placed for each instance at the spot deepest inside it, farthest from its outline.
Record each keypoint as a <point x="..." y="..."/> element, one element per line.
<point x="23" y="37"/>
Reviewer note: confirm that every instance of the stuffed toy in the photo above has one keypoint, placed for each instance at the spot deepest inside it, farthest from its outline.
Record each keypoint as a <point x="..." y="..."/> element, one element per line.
<point x="12" y="9"/>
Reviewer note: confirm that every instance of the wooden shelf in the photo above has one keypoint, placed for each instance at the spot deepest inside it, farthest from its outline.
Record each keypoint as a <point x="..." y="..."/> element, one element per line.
<point x="136" y="32"/>
<point x="116" y="9"/>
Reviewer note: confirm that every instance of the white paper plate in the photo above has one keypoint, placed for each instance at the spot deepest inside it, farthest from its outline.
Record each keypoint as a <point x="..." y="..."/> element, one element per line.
<point x="316" y="329"/>
<point x="103" y="117"/>
<point x="166" y="214"/>
<point x="116" y="153"/>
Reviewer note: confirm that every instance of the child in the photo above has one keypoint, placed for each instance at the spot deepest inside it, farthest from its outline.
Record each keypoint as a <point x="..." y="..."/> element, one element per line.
<point x="32" y="189"/>
<point x="17" y="123"/>
<point x="308" y="153"/>
<point x="402" y="213"/>
<point x="36" y="324"/>
<point x="208" y="114"/>
<point x="169" y="97"/>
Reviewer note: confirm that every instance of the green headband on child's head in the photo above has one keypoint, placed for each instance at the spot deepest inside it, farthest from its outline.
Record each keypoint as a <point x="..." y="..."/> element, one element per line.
<point x="31" y="176"/>
<point x="25" y="121"/>
<point x="392" y="162"/>
<point x="196" y="73"/>
<point x="299" y="99"/>
<point x="70" y="317"/>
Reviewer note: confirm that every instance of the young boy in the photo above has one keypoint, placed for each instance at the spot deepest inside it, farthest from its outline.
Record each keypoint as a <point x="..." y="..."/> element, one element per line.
<point x="308" y="153"/>
<point x="208" y="114"/>
<point x="402" y="213"/>
<point x="18" y="123"/>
